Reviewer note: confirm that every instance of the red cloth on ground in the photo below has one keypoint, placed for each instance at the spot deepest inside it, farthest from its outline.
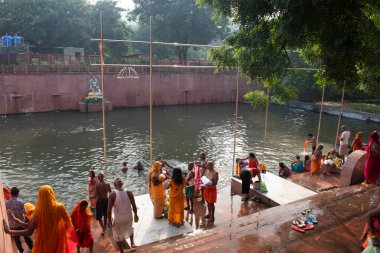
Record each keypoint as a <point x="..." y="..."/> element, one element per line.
<point x="372" y="164"/>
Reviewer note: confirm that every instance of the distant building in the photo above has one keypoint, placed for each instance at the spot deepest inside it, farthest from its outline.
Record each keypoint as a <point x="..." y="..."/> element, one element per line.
<point x="72" y="54"/>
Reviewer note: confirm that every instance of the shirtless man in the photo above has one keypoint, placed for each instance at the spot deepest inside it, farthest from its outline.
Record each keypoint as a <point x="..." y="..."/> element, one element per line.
<point x="101" y="193"/>
<point x="125" y="167"/>
<point x="202" y="167"/>
<point x="210" y="192"/>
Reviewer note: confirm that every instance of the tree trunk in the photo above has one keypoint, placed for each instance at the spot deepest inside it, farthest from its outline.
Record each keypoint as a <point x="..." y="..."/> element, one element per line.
<point x="182" y="55"/>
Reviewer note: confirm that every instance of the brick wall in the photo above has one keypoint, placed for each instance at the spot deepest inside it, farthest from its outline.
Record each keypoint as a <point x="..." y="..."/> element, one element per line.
<point x="23" y="93"/>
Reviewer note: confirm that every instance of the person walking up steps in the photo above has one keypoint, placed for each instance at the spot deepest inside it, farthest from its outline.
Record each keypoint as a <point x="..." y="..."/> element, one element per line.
<point x="121" y="203"/>
<point x="101" y="194"/>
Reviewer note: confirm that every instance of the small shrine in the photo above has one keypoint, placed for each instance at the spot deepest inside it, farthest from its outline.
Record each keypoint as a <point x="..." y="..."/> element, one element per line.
<point x="93" y="101"/>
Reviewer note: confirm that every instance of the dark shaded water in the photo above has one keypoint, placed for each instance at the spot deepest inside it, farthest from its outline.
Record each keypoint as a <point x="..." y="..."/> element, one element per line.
<point x="54" y="149"/>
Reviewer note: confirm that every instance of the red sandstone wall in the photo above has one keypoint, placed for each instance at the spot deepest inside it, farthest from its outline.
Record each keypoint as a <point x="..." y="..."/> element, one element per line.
<point x="23" y="93"/>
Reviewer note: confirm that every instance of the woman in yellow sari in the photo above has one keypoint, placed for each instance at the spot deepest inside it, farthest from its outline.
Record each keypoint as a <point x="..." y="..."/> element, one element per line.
<point x="156" y="189"/>
<point x="54" y="230"/>
<point x="176" y="198"/>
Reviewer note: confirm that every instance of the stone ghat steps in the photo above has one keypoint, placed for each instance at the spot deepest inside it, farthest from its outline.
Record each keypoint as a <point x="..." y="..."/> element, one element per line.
<point x="341" y="220"/>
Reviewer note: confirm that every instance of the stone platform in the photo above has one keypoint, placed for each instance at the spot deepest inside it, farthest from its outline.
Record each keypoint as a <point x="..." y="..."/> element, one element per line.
<point x="149" y="230"/>
<point x="83" y="107"/>
<point x="280" y="190"/>
<point x="341" y="220"/>
<point x="316" y="183"/>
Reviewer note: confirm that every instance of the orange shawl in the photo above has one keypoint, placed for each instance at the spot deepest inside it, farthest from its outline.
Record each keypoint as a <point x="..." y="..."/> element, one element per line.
<point x="81" y="218"/>
<point x="357" y="142"/>
<point x="54" y="232"/>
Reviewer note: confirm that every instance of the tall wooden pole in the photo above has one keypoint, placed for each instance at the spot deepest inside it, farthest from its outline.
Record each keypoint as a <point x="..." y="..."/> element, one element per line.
<point x="236" y="121"/>
<point x="266" y="124"/>
<point x="150" y="93"/>
<point x="103" y="101"/>
<point x="340" y="115"/>
<point x="320" y="113"/>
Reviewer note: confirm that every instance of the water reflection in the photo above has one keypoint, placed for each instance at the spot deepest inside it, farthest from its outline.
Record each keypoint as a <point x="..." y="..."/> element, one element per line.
<point x="59" y="148"/>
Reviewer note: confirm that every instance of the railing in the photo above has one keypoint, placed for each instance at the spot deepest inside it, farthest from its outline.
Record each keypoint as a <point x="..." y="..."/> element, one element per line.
<point x="49" y="63"/>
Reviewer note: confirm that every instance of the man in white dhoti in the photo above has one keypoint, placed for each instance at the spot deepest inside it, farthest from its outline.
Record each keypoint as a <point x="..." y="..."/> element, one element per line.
<point x="120" y="203"/>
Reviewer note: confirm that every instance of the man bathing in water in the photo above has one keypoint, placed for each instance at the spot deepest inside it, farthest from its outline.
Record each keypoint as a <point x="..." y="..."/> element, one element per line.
<point x="101" y="193"/>
<point x="125" y="167"/>
<point x="139" y="166"/>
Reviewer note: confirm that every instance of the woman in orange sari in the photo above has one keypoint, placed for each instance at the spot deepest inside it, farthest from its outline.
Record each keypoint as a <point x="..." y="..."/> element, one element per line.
<point x="54" y="230"/>
<point x="316" y="160"/>
<point x="176" y="198"/>
<point x="156" y="189"/>
<point x="81" y="217"/>
<point x="357" y="142"/>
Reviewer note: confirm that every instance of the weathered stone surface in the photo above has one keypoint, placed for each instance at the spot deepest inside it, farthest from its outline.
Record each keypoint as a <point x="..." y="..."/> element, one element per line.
<point x="353" y="169"/>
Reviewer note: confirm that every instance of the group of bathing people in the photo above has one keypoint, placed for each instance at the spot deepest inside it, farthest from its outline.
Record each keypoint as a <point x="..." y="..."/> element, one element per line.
<point x="319" y="163"/>
<point x="57" y="231"/>
<point x="200" y="181"/>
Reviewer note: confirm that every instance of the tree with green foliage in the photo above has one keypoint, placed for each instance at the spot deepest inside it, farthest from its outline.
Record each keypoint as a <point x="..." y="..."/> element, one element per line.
<point x="179" y="21"/>
<point x="47" y="23"/>
<point x="113" y="28"/>
<point x="337" y="37"/>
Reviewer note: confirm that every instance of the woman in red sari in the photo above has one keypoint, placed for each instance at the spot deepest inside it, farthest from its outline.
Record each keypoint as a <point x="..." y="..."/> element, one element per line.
<point x="372" y="164"/>
<point x="81" y="217"/>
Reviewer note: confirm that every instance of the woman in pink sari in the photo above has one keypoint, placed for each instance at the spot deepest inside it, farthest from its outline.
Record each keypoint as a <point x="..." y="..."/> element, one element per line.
<point x="372" y="164"/>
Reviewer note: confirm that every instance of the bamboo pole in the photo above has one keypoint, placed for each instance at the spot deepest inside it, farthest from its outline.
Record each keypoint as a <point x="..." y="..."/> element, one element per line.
<point x="150" y="93"/>
<point x="176" y="44"/>
<point x="340" y="115"/>
<point x="236" y="121"/>
<point x="320" y="113"/>
<point x="266" y="124"/>
<point x="157" y="66"/>
<point x="103" y="104"/>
